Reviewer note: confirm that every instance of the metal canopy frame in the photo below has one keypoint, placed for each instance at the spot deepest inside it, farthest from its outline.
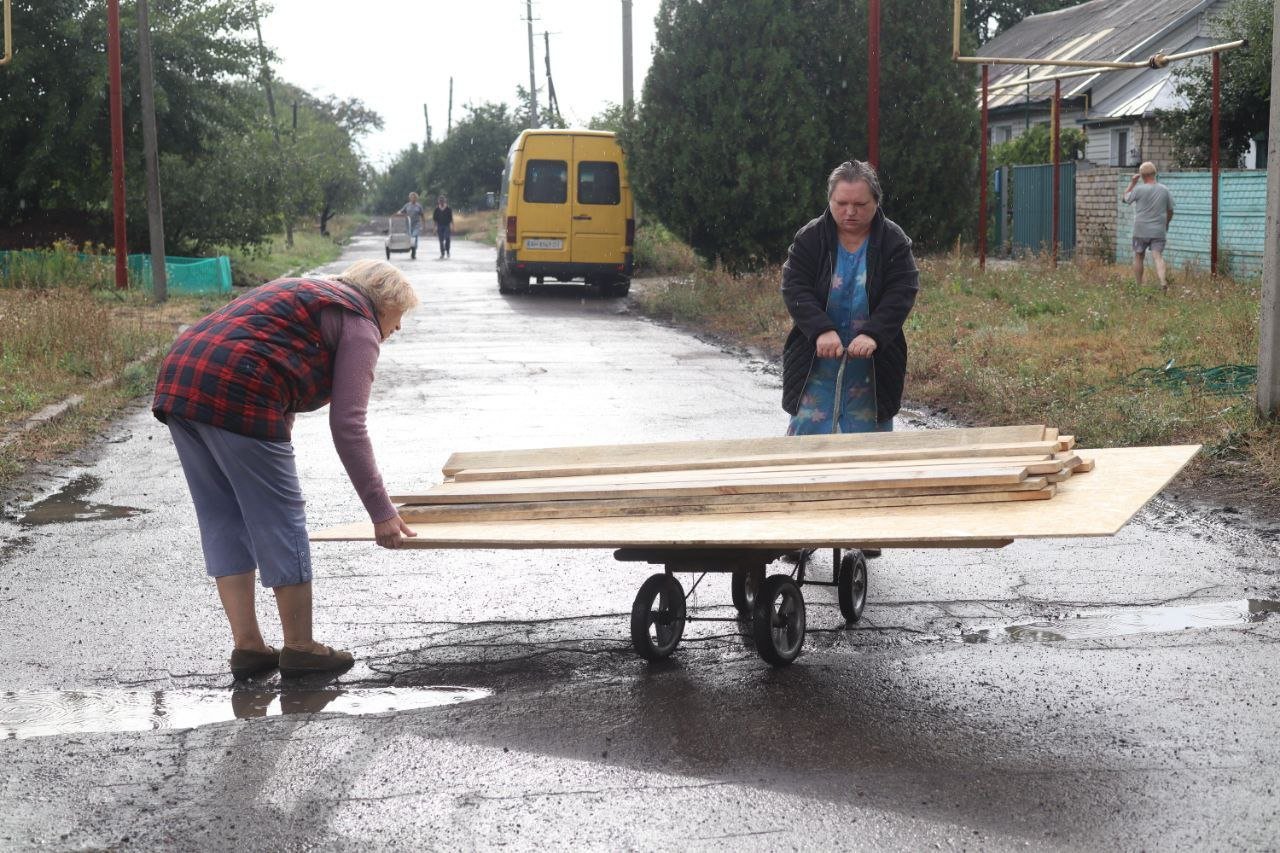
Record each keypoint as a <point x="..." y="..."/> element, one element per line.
<point x="1085" y="67"/>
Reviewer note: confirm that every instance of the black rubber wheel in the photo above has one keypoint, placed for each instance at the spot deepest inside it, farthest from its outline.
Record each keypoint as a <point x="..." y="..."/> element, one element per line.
<point x="618" y="287"/>
<point x="777" y="620"/>
<point x="388" y="254"/>
<point x="744" y="586"/>
<point x="851" y="584"/>
<point x="657" y="617"/>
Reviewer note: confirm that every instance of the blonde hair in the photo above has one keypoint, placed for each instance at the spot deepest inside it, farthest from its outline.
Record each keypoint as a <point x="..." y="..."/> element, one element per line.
<point x="384" y="285"/>
<point x="1147" y="168"/>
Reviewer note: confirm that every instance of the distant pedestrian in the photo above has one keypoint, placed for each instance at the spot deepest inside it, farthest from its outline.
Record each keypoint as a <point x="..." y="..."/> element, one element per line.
<point x="1152" y="211"/>
<point x="417" y="220"/>
<point x="443" y="218"/>
<point x="229" y="390"/>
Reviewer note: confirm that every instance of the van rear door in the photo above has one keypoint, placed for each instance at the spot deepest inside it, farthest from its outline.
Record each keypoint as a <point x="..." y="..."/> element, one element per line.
<point x="543" y="221"/>
<point x="599" y="218"/>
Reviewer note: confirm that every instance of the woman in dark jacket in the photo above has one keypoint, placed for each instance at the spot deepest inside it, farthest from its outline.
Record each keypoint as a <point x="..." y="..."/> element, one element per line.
<point x="849" y="283"/>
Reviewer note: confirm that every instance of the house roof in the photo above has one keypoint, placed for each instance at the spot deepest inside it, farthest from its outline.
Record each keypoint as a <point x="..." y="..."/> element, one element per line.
<point x="1106" y="30"/>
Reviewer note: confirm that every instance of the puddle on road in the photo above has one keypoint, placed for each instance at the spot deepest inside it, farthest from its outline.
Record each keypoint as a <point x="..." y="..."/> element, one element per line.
<point x="30" y="714"/>
<point x="1138" y="620"/>
<point x="69" y="504"/>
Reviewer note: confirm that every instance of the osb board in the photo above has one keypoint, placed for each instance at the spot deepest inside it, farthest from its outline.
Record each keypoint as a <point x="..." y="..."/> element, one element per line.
<point x="700" y="451"/>
<point x="1095" y="504"/>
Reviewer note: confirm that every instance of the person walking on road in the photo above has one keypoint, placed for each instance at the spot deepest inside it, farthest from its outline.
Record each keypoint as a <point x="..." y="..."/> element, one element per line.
<point x="417" y="220"/>
<point x="228" y="390"/>
<point x="1152" y="211"/>
<point x="443" y="218"/>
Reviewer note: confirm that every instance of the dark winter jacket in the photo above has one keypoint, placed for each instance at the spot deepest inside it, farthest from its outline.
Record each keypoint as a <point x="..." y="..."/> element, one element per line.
<point x="247" y="365"/>
<point x="892" y="283"/>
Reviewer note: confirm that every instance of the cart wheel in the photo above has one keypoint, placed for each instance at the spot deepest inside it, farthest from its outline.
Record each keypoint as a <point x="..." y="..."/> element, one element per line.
<point x="657" y="617"/>
<point x="388" y="254"/>
<point x="744" y="586"/>
<point x="851" y="584"/>
<point x="777" y="620"/>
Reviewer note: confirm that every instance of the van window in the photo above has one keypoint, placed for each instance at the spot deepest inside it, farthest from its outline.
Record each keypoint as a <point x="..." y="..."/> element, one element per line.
<point x="598" y="183"/>
<point x="546" y="181"/>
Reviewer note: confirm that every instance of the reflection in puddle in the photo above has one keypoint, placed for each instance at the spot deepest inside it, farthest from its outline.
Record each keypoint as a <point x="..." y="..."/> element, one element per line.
<point x="1137" y="620"/>
<point x="69" y="504"/>
<point x="39" y="713"/>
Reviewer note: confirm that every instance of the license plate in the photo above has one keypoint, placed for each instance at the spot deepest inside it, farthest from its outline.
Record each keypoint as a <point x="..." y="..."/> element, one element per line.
<point x="543" y="243"/>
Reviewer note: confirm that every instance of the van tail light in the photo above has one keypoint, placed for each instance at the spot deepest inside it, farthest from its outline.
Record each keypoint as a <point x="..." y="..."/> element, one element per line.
<point x="631" y="232"/>
<point x="511" y="229"/>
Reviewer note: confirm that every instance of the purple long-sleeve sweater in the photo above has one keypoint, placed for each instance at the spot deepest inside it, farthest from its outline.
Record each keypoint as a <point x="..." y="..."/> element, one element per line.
<point x="355" y="343"/>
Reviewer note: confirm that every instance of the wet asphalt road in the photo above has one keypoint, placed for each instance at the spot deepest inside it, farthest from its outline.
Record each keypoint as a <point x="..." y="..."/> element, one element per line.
<point x="897" y="734"/>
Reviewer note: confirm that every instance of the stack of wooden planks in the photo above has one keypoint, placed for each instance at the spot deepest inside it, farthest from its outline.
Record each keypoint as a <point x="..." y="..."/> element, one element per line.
<point x="745" y="476"/>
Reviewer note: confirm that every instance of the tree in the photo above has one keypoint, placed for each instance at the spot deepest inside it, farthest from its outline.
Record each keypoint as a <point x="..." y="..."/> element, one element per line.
<point x="406" y="174"/>
<point x="1245" y="95"/>
<point x="54" y="124"/>
<point x="728" y="127"/>
<point x="468" y="163"/>
<point x="745" y="112"/>
<point x="1035" y="147"/>
<point x="986" y="19"/>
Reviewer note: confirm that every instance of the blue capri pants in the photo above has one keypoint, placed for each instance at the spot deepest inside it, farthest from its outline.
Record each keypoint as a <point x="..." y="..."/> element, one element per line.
<point x="248" y="502"/>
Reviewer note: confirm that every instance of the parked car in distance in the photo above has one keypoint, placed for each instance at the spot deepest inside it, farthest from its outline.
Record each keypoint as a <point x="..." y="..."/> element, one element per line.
<point x="567" y="212"/>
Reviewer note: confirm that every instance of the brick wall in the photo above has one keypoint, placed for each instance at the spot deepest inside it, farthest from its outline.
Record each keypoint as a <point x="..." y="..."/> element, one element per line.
<point x="1096" y="205"/>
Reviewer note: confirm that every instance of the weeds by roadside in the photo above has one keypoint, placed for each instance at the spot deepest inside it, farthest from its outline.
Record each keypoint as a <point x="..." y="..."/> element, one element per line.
<point x="480" y="226"/>
<point x="274" y="259"/>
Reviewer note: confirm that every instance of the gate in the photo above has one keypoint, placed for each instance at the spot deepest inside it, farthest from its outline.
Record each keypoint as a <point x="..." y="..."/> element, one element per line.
<point x="1032" y="192"/>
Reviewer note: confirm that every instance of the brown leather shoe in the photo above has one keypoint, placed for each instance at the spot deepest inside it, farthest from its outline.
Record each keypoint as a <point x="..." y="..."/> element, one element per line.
<point x="246" y="663"/>
<point x="294" y="664"/>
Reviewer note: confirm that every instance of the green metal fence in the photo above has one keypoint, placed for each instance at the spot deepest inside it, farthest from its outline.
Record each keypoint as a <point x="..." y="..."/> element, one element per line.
<point x="1032" y="194"/>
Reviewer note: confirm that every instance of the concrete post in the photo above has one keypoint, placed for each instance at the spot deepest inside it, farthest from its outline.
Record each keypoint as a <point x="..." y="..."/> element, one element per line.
<point x="1269" y="332"/>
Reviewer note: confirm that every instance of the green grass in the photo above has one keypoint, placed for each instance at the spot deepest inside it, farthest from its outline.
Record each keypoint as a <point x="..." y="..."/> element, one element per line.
<point x="274" y="259"/>
<point x="1082" y="348"/>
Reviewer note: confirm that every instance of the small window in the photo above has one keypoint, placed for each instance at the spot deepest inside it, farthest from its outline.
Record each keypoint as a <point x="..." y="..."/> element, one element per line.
<point x="598" y="183"/>
<point x="546" y="181"/>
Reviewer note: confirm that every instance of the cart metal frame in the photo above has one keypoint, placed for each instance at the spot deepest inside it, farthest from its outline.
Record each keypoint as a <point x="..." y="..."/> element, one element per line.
<point x="773" y="605"/>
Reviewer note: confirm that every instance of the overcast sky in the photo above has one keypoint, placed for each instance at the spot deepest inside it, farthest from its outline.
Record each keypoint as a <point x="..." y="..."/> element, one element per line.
<point x="396" y="55"/>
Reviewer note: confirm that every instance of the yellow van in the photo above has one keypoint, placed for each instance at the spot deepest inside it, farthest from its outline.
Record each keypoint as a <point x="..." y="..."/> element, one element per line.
<point x="566" y="212"/>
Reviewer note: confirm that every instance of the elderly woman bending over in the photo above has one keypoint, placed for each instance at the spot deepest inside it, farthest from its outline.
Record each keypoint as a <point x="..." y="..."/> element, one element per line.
<point x="849" y="283"/>
<point x="228" y="391"/>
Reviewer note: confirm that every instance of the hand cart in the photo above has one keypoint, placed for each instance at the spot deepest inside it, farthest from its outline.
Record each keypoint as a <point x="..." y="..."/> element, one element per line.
<point x="745" y="544"/>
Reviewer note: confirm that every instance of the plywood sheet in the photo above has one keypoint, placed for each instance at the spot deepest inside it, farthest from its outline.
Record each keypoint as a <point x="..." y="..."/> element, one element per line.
<point x="1098" y="504"/>
<point x="695" y="451"/>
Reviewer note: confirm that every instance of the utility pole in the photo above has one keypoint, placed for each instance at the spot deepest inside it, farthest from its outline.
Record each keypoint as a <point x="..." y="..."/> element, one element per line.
<point x="448" y="128"/>
<point x="533" y="83"/>
<point x="628" y="95"/>
<point x="873" y="83"/>
<point x="155" y="213"/>
<point x="117" y="141"/>
<point x="1269" y="330"/>
<point x="426" y="118"/>
<point x="275" y="127"/>
<point x="553" y="105"/>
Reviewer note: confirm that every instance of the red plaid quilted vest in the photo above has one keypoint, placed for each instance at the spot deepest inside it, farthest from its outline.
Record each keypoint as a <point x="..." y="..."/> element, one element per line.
<point x="248" y="364"/>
